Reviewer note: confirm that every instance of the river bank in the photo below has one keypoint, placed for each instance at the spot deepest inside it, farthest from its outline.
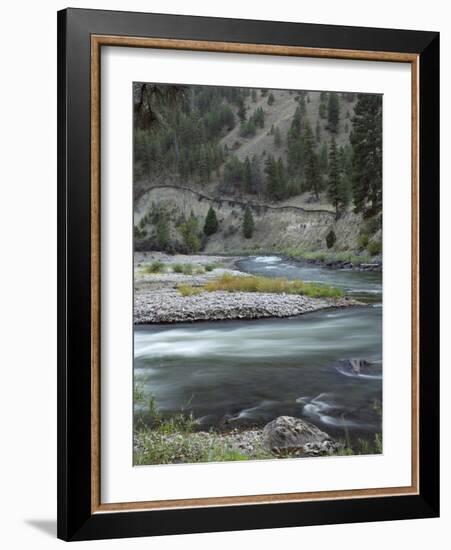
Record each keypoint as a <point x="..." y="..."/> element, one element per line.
<point x="159" y="298"/>
<point x="350" y="261"/>
<point x="176" y="440"/>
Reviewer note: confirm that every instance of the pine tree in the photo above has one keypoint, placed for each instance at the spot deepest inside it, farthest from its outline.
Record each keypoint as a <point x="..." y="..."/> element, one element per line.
<point x="271" y="99"/>
<point x="276" y="179"/>
<point x="257" y="179"/>
<point x="333" y="112"/>
<point x="271" y="186"/>
<point x="323" y="158"/>
<point x="248" y="223"/>
<point x="259" y="117"/>
<point x="162" y="231"/>
<point x="254" y="95"/>
<point x="233" y="175"/>
<point x="211" y="222"/>
<point x="295" y="128"/>
<point x="366" y="140"/>
<point x="336" y="190"/>
<point x="312" y="176"/>
<point x="295" y="145"/>
<point x="241" y="110"/>
<point x="311" y="169"/>
<point x="247" y="129"/>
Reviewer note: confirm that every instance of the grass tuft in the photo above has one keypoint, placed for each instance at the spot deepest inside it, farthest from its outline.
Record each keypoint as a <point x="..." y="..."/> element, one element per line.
<point x="171" y="440"/>
<point x="189" y="290"/>
<point x="186" y="269"/>
<point x="154" y="447"/>
<point x="211" y="267"/>
<point x="236" y="283"/>
<point x="154" y="267"/>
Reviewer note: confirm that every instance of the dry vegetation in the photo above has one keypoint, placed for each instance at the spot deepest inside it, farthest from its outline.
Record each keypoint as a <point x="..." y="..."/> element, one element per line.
<point x="237" y="283"/>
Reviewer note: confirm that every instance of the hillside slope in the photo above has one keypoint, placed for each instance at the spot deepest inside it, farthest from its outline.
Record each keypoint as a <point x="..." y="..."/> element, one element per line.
<point x="280" y="115"/>
<point x="285" y="135"/>
<point x="278" y="227"/>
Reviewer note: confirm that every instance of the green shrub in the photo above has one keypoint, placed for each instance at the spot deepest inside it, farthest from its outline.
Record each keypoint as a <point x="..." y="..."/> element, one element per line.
<point x="211" y="267"/>
<point x="139" y="232"/>
<point x="187" y="269"/>
<point x="162" y="232"/>
<point x="154" y="267"/>
<point x="375" y="248"/>
<point x="190" y="234"/>
<point x="363" y="240"/>
<point x="138" y="393"/>
<point x="378" y="443"/>
<point x="247" y="129"/>
<point x="331" y="238"/>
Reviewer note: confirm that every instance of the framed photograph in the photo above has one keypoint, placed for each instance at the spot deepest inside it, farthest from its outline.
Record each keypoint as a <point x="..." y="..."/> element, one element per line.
<point x="248" y="274"/>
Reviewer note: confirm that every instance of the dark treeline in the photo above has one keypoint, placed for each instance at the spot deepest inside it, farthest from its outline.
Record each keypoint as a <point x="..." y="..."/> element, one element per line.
<point x="178" y="132"/>
<point x="178" y="128"/>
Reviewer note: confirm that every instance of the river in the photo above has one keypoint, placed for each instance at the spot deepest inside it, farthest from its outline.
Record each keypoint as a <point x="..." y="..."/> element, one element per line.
<point x="237" y="373"/>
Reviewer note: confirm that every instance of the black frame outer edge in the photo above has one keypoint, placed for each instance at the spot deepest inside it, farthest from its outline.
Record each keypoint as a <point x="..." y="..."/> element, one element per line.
<point x="61" y="278"/>
<point x="430" y="273"/>
<point x="75" y="521"/>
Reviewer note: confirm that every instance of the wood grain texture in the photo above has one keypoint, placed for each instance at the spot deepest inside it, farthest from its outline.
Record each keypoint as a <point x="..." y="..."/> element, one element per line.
<point x="415" y="68"/>
<point x="95" y="276"/>
<point x="124" y="41"/>
<point x="261" y="49"/>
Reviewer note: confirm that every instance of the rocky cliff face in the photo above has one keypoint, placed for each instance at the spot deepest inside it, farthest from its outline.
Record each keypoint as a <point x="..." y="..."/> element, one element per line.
<point x="279" y="226"/>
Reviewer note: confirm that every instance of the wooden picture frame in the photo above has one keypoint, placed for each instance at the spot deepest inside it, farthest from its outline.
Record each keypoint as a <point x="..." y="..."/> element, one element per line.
<point x="81" y="35"/>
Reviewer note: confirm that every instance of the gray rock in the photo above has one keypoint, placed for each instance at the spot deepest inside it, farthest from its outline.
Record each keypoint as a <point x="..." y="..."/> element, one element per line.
<point x="294" y="436"/>
<point x="354" y="366"/>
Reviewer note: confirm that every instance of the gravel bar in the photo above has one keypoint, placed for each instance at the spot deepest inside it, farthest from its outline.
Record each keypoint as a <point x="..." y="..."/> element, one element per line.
<point x="170" y="307"/>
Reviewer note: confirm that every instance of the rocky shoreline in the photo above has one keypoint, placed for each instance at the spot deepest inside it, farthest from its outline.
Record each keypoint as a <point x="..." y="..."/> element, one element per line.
<point x="283" y="437"/>
<point x="347" y="265"/>
<point x="157" y="299"/>
<point x="170" y="307"/>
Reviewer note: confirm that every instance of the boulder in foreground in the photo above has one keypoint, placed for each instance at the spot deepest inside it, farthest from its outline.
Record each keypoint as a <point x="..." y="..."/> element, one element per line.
<point x="296" y="437"/>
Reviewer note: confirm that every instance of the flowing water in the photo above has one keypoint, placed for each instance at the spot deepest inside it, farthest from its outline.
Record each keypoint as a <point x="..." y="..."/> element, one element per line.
<point x="365" y="285"/>
<point x="249" y="372"/>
